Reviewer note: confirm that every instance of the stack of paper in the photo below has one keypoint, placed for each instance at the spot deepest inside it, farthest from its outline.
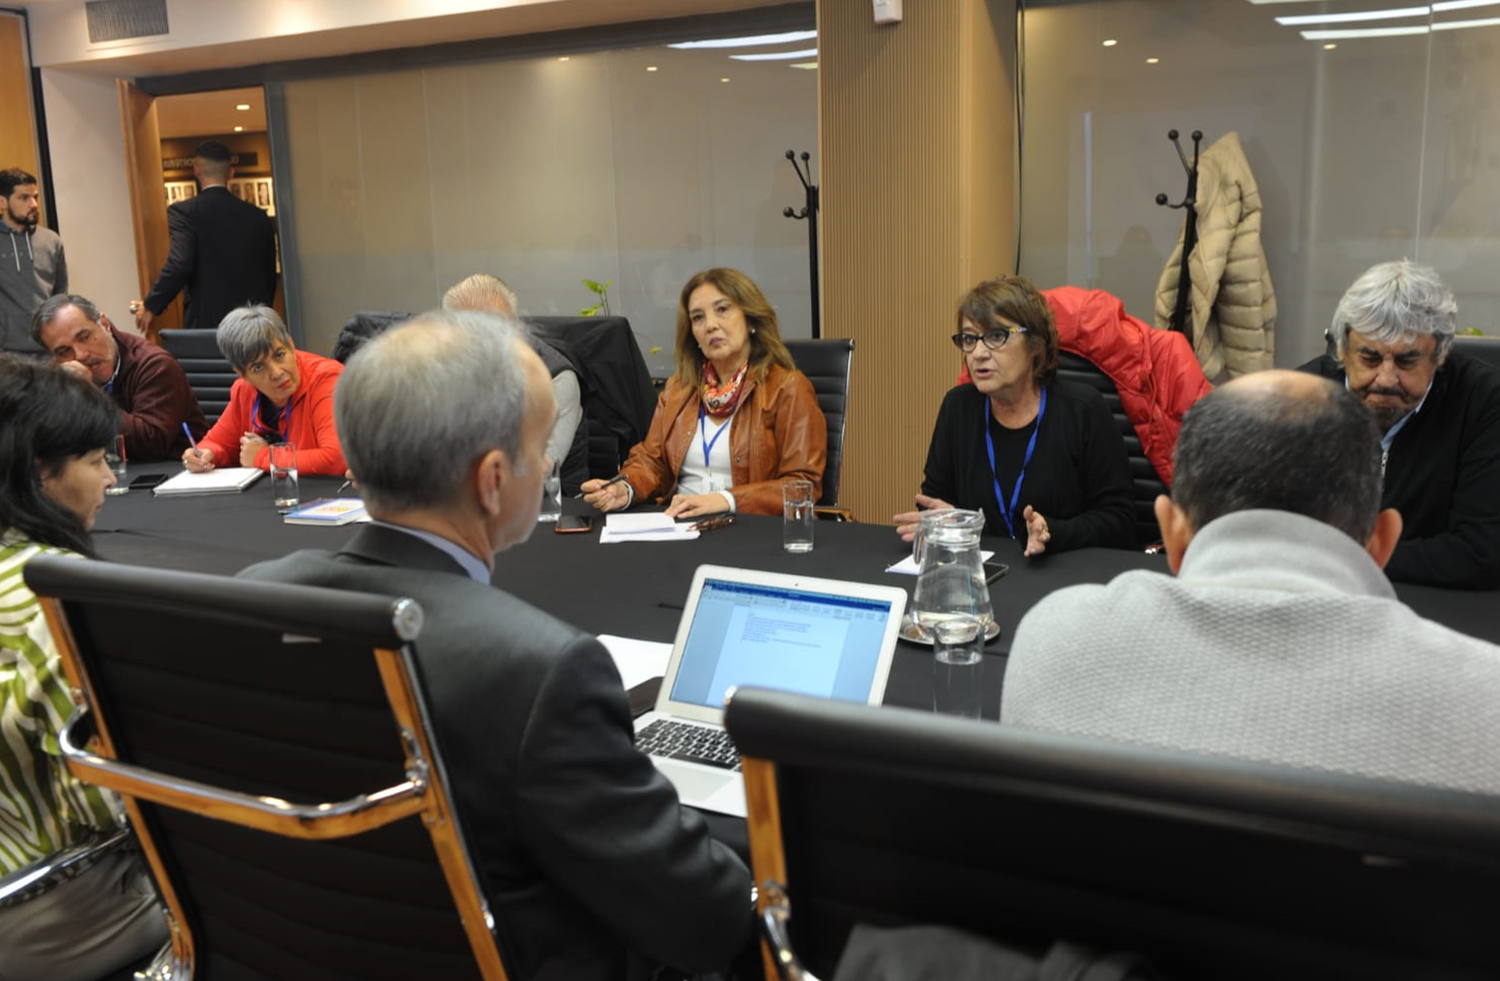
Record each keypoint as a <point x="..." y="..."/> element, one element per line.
<point x="653" y="527"/>
<point x="221" y="480"/>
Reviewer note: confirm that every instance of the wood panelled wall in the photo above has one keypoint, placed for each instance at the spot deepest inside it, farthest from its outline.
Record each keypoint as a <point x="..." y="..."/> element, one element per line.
<point x="17" y="125"/>
<point x="916" y="131"/>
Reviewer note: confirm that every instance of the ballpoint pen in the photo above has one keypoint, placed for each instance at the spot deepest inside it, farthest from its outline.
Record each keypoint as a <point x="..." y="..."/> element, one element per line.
<point x="192" y="442"/>
<point x="618" y="478"/>
<point x="343" y="487"/>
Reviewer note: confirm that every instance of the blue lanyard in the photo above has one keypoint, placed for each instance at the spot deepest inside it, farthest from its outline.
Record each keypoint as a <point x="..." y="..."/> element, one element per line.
<point x="286" y="419"/>
<point x="1015" y="496"/>
<point x="708" y="444"/>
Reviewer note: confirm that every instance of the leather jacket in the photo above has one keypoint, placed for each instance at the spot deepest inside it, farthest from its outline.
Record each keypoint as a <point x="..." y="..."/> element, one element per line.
<point x="777" y="433"/>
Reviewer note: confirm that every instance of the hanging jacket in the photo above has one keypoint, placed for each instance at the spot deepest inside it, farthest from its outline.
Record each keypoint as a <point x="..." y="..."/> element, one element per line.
<point x="1233" y="311"/>
<point x="32" y="268"/>
<point x="1154" y="371"/>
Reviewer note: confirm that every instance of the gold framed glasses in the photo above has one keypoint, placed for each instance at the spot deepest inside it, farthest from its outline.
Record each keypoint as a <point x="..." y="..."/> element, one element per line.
<point x="993" y="339"/>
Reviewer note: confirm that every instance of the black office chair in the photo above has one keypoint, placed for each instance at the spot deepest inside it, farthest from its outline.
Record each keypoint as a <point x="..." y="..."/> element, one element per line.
<point x="618" y="397"/>
<point x="208" y="373"/>
<point x="1209" y="868"/>
<point x="1146" y="482"/>
<point x="273" y="750"/>
<point x="826" y="364"/>
<point x="359" y="328"/>
<point x="1486" y="349"/>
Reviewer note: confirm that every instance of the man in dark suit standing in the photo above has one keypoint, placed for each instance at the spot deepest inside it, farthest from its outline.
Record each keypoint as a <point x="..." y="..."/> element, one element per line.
<point x="223" y="250"/>
<point x="592" y="867"/>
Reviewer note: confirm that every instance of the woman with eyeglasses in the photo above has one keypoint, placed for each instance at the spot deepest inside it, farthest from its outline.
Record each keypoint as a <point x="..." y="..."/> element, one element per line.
<point x="1042" y="458"/>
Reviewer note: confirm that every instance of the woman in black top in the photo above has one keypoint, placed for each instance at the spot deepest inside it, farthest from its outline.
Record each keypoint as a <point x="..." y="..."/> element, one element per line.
<point x="1041" y="458"/>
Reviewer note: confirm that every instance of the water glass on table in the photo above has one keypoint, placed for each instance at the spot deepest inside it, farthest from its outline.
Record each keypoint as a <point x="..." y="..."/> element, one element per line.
<point x="957" y="667"/>
<point x="284" y="476"/>
<point x="114" y="455"/>
<point x="797" y="515"/>
<point x="551" y="507"/>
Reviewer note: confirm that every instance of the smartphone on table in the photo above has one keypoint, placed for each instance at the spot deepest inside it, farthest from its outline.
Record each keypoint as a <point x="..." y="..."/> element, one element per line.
<point x="573" y="524"/>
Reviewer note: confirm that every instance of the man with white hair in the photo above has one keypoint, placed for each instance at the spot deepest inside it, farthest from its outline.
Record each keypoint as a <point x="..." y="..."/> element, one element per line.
<point x="568" y="442"/>
<point x="593" y="869"/>
<point x="1439" y="417"/>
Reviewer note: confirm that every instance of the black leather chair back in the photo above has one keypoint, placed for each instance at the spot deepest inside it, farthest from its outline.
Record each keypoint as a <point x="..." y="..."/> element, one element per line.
<point x="208" y="374"/>
<point x="1210" y="868"/>
<point x="269" y="690"/>
<point x="1486" y="349"/>
<point x="618" y="397"/>
<point x="826" y="364"/>
<point x="1146" y="481"/>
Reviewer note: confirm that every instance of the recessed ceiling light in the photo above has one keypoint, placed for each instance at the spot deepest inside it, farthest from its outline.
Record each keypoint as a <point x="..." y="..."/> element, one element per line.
<point x="1354" y="16"/>
<point x="1110" y="42"/>
<point x="791" y="37"/>
<point x="1152" y="61"/>
<point x="777" y="55"/>
<point x="1330" y="45"/>
<point x="243" y="107"/>
<point x="650" y="68"/>
<point x="239" y="129"/>
<point x="563" y="58"/>
<point x="1354" y="32"/>
<point x="724" y="79"/>
<point x="804" y="64"/>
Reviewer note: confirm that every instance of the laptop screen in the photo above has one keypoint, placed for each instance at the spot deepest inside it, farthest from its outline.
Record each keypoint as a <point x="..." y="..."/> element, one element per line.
<point x="797" y="640"/>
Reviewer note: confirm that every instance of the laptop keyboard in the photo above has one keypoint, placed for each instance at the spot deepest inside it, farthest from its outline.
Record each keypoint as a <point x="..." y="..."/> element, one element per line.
<point x="682" y="741"/>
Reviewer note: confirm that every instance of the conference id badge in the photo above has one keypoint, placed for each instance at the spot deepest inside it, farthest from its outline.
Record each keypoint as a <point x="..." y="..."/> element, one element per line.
<point x="716" y="486"/>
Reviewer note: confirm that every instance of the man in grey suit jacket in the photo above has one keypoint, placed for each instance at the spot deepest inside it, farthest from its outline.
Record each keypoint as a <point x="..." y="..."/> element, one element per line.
<point x="1278" y="639"/>
<point x="592" y="867"/>
<point x="223" y="250"/>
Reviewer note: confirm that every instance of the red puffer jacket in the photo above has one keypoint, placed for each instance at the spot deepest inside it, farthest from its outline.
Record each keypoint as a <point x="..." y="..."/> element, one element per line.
<point x="1155" y="371"/>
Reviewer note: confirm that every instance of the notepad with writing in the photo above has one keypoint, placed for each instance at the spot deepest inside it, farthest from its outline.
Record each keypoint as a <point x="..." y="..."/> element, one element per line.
<point x="328" y="511"/>
<point x="221" y="480"/>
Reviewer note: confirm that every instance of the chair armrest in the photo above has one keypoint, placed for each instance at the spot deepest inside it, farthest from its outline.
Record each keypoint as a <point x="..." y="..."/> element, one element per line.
<point x="830" y="513"/>
<point x="776" y="913"/>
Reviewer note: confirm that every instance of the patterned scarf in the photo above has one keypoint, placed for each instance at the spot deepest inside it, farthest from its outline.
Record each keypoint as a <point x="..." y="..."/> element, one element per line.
<point x="718" y="398"/>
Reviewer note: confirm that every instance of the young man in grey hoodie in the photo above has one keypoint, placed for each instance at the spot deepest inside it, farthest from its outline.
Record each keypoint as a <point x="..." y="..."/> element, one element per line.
<point x="32" y="266"/>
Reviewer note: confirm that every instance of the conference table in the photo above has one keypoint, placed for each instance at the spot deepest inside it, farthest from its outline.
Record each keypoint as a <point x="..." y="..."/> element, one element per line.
<point x="636" y="589"/>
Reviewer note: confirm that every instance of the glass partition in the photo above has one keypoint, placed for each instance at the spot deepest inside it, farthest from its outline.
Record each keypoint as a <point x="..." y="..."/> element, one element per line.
<point x="636" y="166"/>
<point x="1368" y="125"/>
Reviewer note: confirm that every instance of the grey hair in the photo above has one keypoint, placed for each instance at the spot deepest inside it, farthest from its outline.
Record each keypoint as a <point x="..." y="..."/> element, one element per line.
<point x="418" y="405"/>
<point x="1397" y="301"/>
<point x="482" y="291"/>
<point x="248" y="333"/>
<point x="48" y="311"/>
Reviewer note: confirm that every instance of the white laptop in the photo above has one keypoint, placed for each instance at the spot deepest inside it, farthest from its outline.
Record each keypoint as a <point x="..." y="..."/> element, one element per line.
<point x="770" y="630"/>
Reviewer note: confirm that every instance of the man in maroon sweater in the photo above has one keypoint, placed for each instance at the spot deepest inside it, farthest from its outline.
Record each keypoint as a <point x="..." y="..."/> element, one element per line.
<point x="145" y="382"/>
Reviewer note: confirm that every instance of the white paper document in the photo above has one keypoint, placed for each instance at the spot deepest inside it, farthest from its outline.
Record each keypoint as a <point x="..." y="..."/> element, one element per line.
<point x="908" y="566"/>
<point x="637" y="660"/>
<point x="649" y="527"/>
<point x="221" y="480"/>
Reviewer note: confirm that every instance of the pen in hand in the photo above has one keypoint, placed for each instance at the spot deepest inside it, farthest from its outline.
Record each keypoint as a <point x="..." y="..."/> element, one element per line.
<point x="192" y="442"/>
<point x="618" y="478"/>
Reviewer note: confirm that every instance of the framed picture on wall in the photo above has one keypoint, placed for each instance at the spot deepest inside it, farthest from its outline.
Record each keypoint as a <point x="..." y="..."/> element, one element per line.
<point x="180" y="190"/>
<point x="265" y="197"/>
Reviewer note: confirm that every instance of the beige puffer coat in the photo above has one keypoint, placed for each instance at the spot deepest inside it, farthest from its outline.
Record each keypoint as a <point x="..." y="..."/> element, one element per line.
<point x="1233" y="312"/>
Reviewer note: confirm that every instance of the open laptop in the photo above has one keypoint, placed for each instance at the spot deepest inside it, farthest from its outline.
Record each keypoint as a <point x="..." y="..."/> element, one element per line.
<point x="742" y="627"/>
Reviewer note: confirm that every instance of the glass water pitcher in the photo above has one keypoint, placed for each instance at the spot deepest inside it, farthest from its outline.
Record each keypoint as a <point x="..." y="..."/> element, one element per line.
<point x="951" y="578"/>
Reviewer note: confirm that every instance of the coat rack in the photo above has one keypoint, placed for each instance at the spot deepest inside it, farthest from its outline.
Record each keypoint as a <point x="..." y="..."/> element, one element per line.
<point x="809" y="211"/>
<point x="1189" y="231"/>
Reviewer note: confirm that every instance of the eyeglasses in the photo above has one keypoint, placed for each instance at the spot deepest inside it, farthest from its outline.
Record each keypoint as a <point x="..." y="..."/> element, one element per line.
<point x="993" y="339"/>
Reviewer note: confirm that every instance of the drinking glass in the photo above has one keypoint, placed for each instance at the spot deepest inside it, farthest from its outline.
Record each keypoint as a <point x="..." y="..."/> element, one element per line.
<point x="797" y="515"/>
<point x="114" y="455"/>
<point x="551" y="506"/>
<point x="284" y="476"/>
<point x="958" y="667"/>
